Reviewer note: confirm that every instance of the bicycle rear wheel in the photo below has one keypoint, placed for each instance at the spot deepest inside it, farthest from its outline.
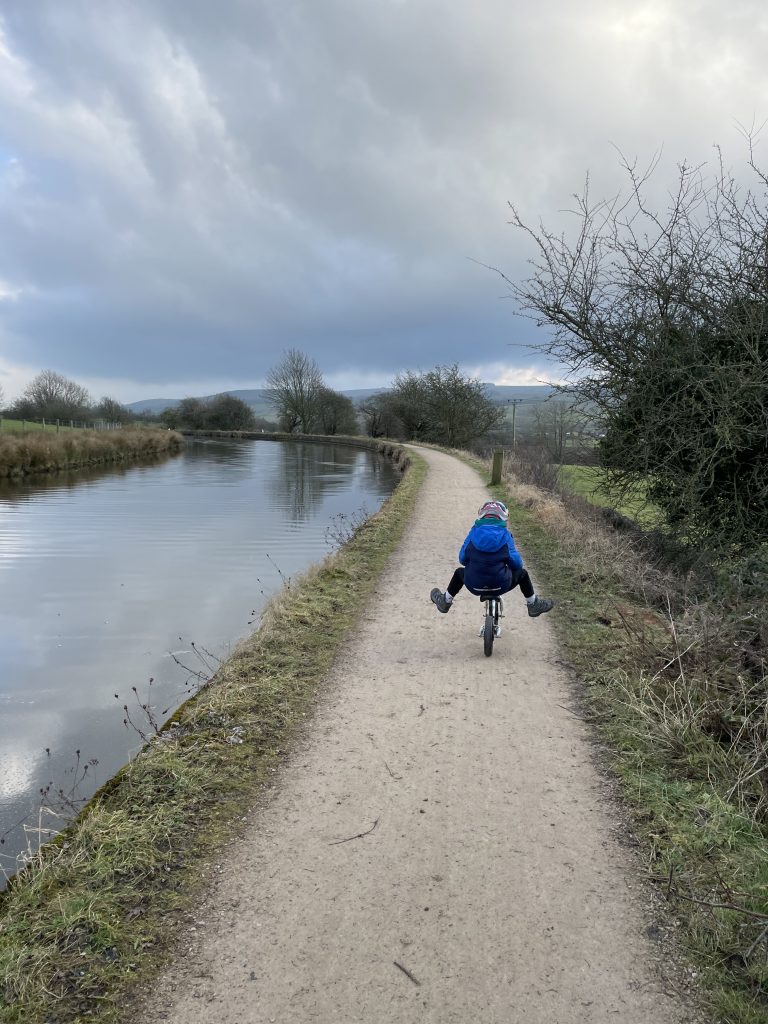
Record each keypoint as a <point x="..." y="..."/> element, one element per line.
<point x="488" y="633"/>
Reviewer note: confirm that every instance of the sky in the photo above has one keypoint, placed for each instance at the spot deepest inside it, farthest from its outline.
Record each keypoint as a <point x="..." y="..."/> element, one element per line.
<point x="188" y="189"/>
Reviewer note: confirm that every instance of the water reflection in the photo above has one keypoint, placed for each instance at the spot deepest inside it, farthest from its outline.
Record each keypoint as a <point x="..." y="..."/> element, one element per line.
<point x="307" y="473"/>
<point x="12" y="493"/>
<point x="103" y="575"/>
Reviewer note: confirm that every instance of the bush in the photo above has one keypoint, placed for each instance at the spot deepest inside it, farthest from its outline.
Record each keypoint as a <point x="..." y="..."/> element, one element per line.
<point x="663" y="317"/>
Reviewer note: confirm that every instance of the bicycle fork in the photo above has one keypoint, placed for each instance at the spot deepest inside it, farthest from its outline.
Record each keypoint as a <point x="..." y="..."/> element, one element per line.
<point x="494" y="606"/>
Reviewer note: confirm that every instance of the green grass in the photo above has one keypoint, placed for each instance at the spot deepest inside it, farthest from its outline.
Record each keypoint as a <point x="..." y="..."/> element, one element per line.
<point x="95" y="914"/>
<point x="698" y="841"/>
<point x="589" y="483"/>
<point x="9" y="426"/>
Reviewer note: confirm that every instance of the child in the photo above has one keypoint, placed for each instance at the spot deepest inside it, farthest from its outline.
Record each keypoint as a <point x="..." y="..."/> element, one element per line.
<point x="490" y="561"/>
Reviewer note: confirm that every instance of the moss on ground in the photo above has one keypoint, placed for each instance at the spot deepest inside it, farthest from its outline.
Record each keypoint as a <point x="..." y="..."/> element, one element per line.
<point x="95" y="913"/>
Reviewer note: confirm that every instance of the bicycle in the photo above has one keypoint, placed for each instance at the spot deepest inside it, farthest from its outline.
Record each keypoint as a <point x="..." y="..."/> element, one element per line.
<point x="494" y="610"/>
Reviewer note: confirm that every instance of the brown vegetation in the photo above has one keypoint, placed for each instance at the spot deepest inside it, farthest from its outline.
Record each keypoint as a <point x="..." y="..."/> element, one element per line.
<point x="673" y="654"/>
<point x="22" y="454"/>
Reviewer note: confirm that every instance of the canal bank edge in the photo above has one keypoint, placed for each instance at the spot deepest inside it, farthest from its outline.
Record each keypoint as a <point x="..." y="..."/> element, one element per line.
<point x="350" y="441"/>
<point x="94" y="916"/>
<point x="28" y="455"/>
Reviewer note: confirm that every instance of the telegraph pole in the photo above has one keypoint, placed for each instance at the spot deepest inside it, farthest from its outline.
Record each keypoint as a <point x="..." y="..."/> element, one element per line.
<point x="514" y="402"/>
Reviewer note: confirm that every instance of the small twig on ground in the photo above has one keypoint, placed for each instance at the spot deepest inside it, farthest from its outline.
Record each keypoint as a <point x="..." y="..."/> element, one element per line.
<point x="756" y="943"/>
<point x="572" y="712"/>
<point x="406" y="972"/>
<point x="675" y="894"/>
<point x="397" y="778"/>
<point x="337" y="842"/>
<point x="422" y="709"/>
<point x="679" y="655"/>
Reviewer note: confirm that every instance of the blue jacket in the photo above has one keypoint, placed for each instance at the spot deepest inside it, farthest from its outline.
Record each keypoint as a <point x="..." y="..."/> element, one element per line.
<point x="490" y="557"/>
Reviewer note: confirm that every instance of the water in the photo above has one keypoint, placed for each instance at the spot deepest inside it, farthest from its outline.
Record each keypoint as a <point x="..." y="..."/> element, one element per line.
<point x="107" y="579"/>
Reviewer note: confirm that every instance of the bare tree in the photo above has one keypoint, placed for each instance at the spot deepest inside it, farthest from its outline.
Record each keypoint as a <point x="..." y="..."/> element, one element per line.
<point x="561" y="427"/>
<point x="444" y="406"/>
<point x="662" y="317"/>
<point x="295" y="386"/>
<point x="52" y="396"/>
<point x="226" y="412"/>
<point x="190" y="413"/>
<point x="111" y="411"/>
<point x="335" y="413"/>
<point x="379" y="416"/>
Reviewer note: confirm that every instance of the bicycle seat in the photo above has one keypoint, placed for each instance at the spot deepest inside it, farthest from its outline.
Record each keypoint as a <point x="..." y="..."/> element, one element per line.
<point x="487" y="592"/>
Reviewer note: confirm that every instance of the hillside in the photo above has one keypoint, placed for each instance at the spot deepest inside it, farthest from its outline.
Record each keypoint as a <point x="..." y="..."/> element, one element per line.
<point x="258" y="401"/>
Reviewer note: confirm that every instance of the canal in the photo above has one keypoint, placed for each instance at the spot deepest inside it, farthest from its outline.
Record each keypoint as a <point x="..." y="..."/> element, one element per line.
<point x="111" y="579"/>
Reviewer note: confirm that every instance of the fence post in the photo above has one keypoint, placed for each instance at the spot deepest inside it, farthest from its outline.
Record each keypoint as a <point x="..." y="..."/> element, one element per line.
<point x="57" y="426"/>
<point x="498" y="463"/>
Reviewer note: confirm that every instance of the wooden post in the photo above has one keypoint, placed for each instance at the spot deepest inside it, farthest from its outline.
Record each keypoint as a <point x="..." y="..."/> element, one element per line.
<point x="498" y="463"/>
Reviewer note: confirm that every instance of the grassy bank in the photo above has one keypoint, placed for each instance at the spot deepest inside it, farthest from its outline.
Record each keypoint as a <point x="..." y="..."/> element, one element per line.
<point x="11" y="426"/>
<point x="24" y="454"/>
<point x="96" y="911"/>
<point x="673" y="673"/>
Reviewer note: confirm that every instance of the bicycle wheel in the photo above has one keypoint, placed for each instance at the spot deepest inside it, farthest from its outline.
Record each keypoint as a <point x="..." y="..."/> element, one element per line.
<point x="488" y="636"/>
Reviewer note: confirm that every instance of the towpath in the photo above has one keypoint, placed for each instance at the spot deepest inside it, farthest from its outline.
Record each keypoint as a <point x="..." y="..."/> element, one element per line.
<point x="487" y="885"/>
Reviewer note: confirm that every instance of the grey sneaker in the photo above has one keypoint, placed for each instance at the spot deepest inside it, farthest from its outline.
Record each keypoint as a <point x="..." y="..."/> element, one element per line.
<point x="438" y="598"/>
<point x="540" y="605"/>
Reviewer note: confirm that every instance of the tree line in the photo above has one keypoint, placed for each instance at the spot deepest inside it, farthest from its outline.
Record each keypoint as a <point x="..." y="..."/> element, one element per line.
<point x="441" y="405"/>
<point x="51" y="396"/>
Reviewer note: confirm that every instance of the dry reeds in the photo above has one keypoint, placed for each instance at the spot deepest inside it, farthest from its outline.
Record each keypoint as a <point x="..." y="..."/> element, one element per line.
<point x="25" y="454"/>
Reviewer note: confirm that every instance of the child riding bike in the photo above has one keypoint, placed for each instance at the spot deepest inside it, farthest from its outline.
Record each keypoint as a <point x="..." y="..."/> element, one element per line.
<point x="490" y="561"/>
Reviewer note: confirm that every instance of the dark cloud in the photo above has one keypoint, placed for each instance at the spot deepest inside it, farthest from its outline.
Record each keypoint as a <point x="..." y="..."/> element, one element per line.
<point x="187" y="189"/>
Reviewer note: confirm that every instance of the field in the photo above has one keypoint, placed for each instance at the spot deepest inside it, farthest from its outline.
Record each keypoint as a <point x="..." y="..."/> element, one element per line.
<point x="8" y="426"/>
<point x="588" y="483"/>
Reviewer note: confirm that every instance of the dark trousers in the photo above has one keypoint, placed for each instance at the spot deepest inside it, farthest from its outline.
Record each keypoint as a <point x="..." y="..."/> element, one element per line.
<point x="519" y="579"/>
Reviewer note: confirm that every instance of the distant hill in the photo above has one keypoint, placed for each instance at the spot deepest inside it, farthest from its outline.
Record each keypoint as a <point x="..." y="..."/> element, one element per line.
<point x="258" y="401"/>
<point x="255" y="397"/>
<point x="502" y="393"/>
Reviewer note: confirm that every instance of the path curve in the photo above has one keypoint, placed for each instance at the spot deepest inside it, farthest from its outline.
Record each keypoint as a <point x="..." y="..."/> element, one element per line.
<point x="493" y="875"/>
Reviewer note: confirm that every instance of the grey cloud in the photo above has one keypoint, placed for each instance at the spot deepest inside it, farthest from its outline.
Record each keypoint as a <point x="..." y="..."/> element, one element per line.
<point x="197" y="186"/>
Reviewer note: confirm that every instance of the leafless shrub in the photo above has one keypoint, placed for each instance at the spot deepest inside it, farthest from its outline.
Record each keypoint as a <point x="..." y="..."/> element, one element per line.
<point x="533" y="464"/>
<point x="662" y="318"/>
<point x="343" y="527"/>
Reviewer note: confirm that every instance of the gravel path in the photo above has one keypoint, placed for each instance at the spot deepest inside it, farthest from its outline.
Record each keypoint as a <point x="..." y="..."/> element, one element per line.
<point x="490" y="888"/>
